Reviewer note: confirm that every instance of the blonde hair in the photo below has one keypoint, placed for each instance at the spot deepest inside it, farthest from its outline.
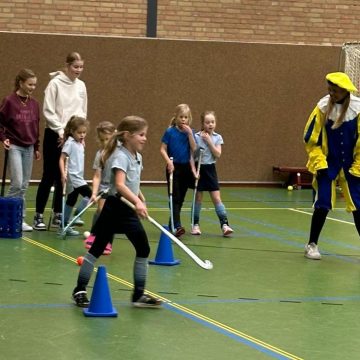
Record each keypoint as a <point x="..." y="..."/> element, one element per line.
<point x="202" y="117"/>
<point x="72" y="57"/>
<point x="74" y="123"/>
<point x="105" y="127"/>
<point x="344" y="106"/>
<point x="330" y="105"/>
<point x="181" y="109"/>
<point x="129" y="124"/>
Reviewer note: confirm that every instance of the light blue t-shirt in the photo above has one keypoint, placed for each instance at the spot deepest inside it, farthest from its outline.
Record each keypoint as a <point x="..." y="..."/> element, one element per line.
<point x="76" y="153"/>
<point x="207" y="157"/>
<point x="106" y="171"/>
<point x="123" y="160"/>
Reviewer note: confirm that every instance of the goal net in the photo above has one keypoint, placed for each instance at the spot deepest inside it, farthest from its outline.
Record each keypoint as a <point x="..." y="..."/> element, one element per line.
<point x="350" y="56"/>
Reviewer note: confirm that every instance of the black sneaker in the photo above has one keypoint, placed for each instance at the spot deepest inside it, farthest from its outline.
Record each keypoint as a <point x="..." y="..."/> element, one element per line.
<point x="38" y="223"/>
<point x="81" y="299"/>
<point x="179" y="231"/>
<point x="147" y="301"/>
<point x="56" y="221"/>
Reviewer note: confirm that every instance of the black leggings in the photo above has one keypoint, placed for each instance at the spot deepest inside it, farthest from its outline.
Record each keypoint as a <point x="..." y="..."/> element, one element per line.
<point x="51" y="173"/>
<point x="84" y="191"/>
<point x="118" y="218"/>
<point x="183" y="179"/>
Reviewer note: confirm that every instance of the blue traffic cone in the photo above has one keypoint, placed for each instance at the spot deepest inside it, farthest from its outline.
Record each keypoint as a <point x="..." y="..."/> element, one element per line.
<point x="164" y="254"/>
<point x="100" y="302"/>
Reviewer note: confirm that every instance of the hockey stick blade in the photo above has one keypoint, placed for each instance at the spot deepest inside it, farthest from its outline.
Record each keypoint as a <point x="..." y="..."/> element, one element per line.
<point x="206" y="264"/>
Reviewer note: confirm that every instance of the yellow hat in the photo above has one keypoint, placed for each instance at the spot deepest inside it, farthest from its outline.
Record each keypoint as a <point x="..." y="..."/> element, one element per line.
<point x="342" y="80"/>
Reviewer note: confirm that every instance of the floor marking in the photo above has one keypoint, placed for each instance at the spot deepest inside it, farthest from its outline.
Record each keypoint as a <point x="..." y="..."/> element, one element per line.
<point x="52" y="283"/>
<point x="210" y="323"/>
<point x="233" y="333"/>
<point x="330" y="218"/>
<point x="330" y="304"/>
<point x="19" y="280"/>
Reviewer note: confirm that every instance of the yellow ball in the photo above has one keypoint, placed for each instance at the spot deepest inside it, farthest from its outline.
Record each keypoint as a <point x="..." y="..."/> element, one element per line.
<point x="86" y="234"/>
<point x="290" y="188"/>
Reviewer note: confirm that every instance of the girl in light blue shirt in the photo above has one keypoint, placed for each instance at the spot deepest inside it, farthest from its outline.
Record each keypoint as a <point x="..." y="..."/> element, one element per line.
<point x="73" y="178"/>
<point x="210" y="142"/>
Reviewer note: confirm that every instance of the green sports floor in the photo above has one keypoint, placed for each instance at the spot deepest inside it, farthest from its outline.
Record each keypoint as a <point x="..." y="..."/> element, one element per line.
<point x="262" y="300"/>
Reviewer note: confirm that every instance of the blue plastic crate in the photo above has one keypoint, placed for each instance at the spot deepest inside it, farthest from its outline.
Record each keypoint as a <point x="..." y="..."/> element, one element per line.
<point x="11" y="213"/>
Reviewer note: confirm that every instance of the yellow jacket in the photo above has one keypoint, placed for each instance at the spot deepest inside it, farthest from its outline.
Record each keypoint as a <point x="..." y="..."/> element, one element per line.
<point x="315" y="135"/>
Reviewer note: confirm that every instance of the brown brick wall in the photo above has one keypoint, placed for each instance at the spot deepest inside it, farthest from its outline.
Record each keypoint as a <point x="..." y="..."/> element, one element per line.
<point x="328" y="22"/>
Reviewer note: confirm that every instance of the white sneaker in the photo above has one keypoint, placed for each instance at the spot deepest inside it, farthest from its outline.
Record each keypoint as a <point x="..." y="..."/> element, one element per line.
<point x="227" y="230"/>
<point x="196" y="230"/>
<point x="78" y="222"/>
<point x="312" y="251"/>
<point x="69" y="232"/>
<point x="26" y="227"/>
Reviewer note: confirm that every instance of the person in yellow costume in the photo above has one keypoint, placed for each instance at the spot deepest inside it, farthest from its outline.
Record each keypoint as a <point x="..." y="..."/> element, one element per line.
<point x="332" y="142"/>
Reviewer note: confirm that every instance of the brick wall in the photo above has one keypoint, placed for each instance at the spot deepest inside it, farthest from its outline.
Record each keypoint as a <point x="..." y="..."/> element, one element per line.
<point x="328" y="22"/>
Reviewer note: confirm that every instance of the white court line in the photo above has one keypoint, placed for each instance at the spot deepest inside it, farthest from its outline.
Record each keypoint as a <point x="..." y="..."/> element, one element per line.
<point x="330" y="218"/>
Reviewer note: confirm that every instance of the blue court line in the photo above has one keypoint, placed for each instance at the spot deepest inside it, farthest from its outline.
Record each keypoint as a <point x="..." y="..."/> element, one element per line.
<point x="291" y="233"/>
<point x="202" y="319"/>
<point x="209" y="323"/>
<point x="256" y="344"/>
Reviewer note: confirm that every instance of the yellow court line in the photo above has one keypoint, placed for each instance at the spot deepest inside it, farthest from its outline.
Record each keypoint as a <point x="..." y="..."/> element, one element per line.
<point x="175" y="305"/>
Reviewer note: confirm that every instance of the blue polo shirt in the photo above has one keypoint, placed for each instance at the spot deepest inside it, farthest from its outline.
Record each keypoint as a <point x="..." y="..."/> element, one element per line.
<point x="178" y="146"/>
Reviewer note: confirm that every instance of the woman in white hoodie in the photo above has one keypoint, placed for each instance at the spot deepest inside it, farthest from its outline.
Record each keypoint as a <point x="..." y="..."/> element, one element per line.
<point x="65" y="96"/>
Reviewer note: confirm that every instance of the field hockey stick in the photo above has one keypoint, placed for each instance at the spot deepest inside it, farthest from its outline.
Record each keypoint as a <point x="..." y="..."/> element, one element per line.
<point x="206" y="264"/>
<point x="4" y="173"/>
<point x="195" y="187"/>
<point x="90" y="203"/>
<point x="64" y="192"/>
<point x="52" y="210"/>
<point x="171" y="183"/>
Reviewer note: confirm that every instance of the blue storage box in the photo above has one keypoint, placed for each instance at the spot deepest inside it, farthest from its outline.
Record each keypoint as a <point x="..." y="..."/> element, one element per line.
<point x="11" y="214"/>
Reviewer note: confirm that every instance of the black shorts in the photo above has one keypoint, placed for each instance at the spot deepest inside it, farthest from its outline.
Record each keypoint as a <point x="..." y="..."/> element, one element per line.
<point x="208" y="178"/>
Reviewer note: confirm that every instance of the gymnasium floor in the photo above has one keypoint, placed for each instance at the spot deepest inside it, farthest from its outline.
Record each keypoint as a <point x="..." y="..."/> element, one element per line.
<point x="262" y="300"/>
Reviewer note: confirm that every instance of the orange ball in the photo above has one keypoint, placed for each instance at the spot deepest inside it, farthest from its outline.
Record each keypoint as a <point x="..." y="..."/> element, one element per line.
<point x="80" y="260"/>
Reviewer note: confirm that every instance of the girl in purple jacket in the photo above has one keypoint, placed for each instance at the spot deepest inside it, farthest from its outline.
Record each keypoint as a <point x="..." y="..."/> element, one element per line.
<point x="19" y="133"/>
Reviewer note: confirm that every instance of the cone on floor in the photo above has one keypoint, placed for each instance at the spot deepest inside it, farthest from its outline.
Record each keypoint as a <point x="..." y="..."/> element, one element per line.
<point x="100" y="302"/>
<point x="164" y="254"/>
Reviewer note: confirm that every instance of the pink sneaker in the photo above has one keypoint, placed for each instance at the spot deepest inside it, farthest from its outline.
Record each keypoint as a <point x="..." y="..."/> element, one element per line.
<point x="89" y="241"/>
<point x="108" y="249"/>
